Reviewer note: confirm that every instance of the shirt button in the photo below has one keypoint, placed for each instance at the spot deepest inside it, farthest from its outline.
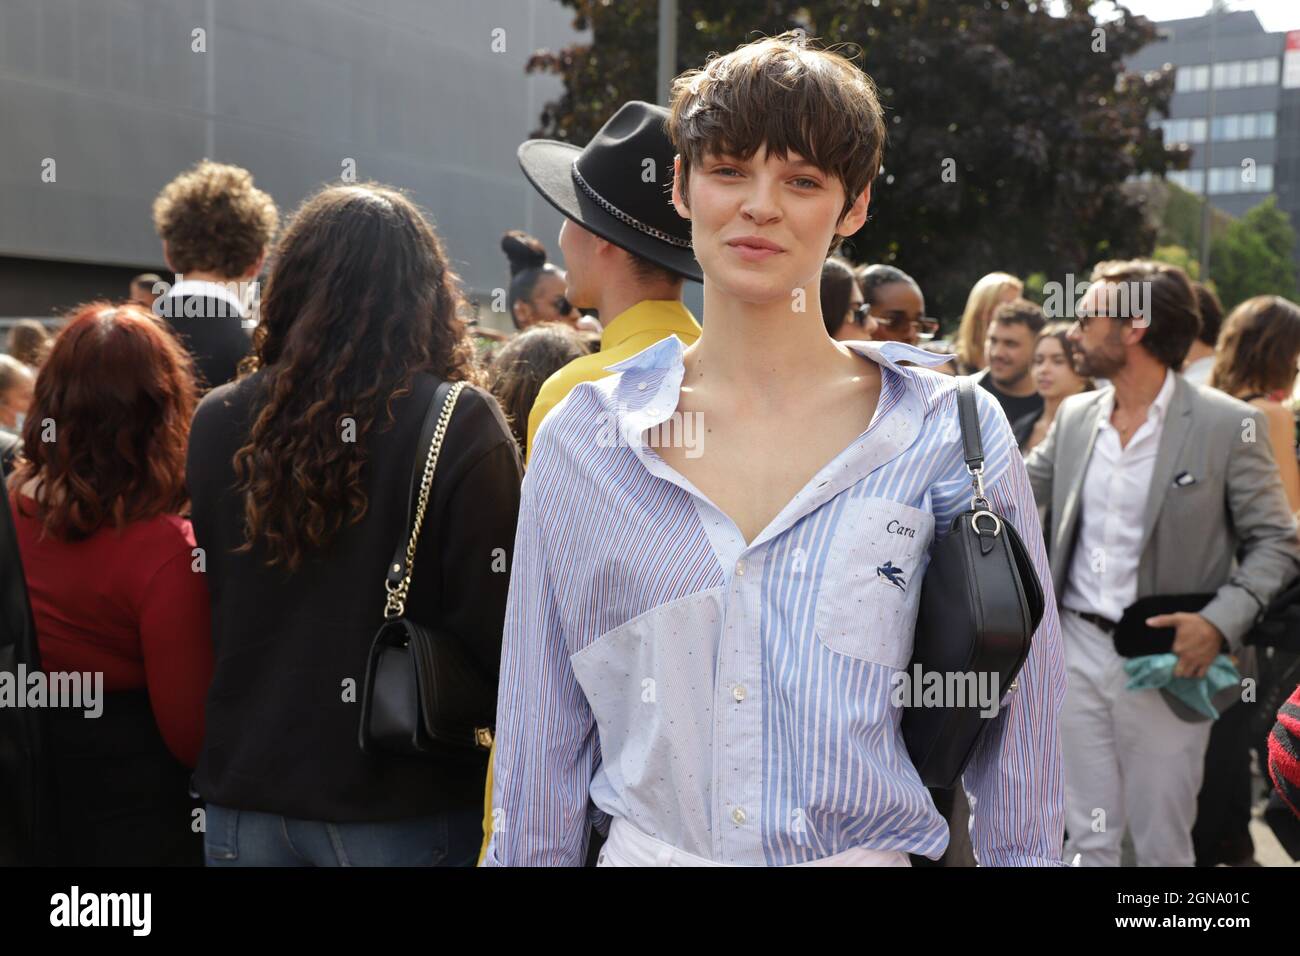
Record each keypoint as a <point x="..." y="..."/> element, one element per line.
<point x="738" y="692"/>
<point x="740" y="567"/>
<point x="640" y="386"/>
<point x="738" y="815"/>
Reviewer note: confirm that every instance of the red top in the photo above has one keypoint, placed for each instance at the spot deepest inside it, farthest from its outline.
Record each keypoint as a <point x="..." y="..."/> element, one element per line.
<point x="129" y="605"/>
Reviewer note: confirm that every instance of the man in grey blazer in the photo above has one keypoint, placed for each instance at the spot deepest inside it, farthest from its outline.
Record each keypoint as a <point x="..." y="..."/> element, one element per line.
<point x="1155" y="487"/>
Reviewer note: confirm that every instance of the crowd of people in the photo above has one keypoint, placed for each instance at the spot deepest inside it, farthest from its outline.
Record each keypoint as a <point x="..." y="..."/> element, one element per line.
<point x="689" y="642"/>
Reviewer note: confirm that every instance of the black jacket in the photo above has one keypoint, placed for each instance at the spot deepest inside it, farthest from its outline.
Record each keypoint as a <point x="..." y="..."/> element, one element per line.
<point x="211" y="331"/>
<point x="283" y="710"/>
<point x="26" y="823"/>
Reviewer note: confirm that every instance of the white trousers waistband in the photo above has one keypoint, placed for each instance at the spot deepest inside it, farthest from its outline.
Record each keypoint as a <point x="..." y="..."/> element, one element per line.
<point x="630" y="846"/>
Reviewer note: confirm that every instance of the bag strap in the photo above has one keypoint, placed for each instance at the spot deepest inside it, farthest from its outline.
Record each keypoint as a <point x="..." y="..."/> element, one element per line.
<point x="972" y="444"/>
<point x="398" y="581"/>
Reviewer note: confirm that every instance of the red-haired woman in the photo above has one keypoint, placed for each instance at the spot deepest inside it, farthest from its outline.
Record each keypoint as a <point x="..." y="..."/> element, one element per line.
<point x="115" y="586"/>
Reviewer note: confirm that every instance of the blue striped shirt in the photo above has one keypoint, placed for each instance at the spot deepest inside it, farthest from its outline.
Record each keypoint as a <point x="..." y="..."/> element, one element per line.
<point x="732" y="699"/>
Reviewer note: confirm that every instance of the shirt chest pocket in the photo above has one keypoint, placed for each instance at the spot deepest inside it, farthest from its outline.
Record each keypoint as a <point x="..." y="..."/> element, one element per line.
<point x="870" y="585"/>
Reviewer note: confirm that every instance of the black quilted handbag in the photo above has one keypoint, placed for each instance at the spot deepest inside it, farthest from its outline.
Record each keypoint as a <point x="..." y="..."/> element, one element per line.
<point x="423" y="693"/>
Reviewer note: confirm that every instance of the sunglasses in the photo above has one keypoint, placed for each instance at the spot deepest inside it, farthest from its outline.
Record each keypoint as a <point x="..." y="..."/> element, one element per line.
<point x="1083" y="318"/>
<point x="895" y="323"/>
<point x="562" y="305"/>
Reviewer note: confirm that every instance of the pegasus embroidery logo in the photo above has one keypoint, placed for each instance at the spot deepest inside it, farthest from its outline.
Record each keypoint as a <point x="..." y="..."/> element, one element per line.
<point x="892" y="574"/>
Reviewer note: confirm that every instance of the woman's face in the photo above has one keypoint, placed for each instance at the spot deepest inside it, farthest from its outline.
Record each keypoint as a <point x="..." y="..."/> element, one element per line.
<point x="547" y="303"/>
<point x="897" y="311"/>
<point x="761" y="226"/>
<point x="1054" y="375"/>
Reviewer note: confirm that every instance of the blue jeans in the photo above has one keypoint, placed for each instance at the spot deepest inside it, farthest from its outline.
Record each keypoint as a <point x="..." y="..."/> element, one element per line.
<point x="252" y="838"/>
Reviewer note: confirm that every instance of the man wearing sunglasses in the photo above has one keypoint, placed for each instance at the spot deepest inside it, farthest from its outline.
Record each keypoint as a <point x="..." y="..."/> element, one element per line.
<point x="1161" y="491"/>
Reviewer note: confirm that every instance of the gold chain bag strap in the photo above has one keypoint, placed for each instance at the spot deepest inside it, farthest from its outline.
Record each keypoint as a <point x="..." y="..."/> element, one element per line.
<point x="423" y="693"/>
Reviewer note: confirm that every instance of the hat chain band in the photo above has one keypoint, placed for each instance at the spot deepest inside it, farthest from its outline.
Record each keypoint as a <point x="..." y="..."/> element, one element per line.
<point x="620" y="215"/>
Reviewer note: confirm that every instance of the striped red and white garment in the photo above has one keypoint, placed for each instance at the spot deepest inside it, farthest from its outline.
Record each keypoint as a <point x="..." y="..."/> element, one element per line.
<point x="1284" y="752"/>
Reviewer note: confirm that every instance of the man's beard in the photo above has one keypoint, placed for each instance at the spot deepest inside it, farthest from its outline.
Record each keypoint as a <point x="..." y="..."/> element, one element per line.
<point x="1101" y="363"/>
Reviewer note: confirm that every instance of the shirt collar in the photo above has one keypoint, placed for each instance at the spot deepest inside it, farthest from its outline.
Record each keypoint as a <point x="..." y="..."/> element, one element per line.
<point x="667" y="353"/>
<point x="649" y="315"/>
<point x="206" y="289"/>
<point x="1158" y="410"/>
<point x="647" y="392"/>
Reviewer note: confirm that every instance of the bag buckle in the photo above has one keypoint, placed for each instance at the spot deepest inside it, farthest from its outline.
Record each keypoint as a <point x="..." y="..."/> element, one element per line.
<point x="985" y="513"/>
<point x="978" y="502"/>
<point x="483" y="737"/>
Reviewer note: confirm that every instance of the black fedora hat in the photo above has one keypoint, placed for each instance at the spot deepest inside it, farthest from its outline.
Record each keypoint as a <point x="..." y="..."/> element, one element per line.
<point x="610" y="189"/>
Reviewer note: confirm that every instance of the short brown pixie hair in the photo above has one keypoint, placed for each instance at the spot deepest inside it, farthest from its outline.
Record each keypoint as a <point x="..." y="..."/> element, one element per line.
<point x="785" y="93"/>
<point x="214" y="219"/>
<point x="1175" y="316"/>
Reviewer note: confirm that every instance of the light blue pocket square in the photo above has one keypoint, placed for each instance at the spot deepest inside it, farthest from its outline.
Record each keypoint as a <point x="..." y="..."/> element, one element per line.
<point x="1156" y="672"/>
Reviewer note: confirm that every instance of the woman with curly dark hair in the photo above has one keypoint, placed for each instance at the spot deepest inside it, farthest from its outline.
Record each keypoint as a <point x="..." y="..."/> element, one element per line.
<point x="300" y="473"/>
<point x="118" y="602"/>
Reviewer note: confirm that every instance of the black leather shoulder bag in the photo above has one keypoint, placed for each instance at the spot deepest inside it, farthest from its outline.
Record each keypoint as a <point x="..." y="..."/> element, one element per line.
<point x="423" y="693"/>
<point x="981" y="602"/>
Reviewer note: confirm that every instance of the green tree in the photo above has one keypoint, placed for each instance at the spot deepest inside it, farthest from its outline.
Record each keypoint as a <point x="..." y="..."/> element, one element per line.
<point x="1255" y="256"/>
<point x="1178" y="256"/>
<point x="1035" y="112"/>
<point x="1178" y="215"/>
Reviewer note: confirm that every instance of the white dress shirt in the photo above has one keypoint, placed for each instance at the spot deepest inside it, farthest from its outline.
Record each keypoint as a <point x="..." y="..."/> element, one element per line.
<point x="1103" y="570"/>
<point x="1198" y="372"/>
<point x="199" y="289"/>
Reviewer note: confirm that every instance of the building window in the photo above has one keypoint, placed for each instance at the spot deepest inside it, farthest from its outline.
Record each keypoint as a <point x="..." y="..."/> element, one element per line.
<point x="1226" y="128"/>
<point x="1227" y="75"/>
<point x="1224" y="180"/>
<point x="1190" y="179"/>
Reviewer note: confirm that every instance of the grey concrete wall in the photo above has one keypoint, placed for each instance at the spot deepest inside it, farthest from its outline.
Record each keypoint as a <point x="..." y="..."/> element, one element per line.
<point x="412" y="90"/>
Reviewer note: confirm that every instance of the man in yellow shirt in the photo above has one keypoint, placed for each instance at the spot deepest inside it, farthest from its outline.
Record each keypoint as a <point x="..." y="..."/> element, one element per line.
<point x="626" y="251"/>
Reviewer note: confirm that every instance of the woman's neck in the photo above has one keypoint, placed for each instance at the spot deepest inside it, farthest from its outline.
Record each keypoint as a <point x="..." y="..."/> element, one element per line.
<point x="1050" y="405"/>
<point x="767" y="349"/>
